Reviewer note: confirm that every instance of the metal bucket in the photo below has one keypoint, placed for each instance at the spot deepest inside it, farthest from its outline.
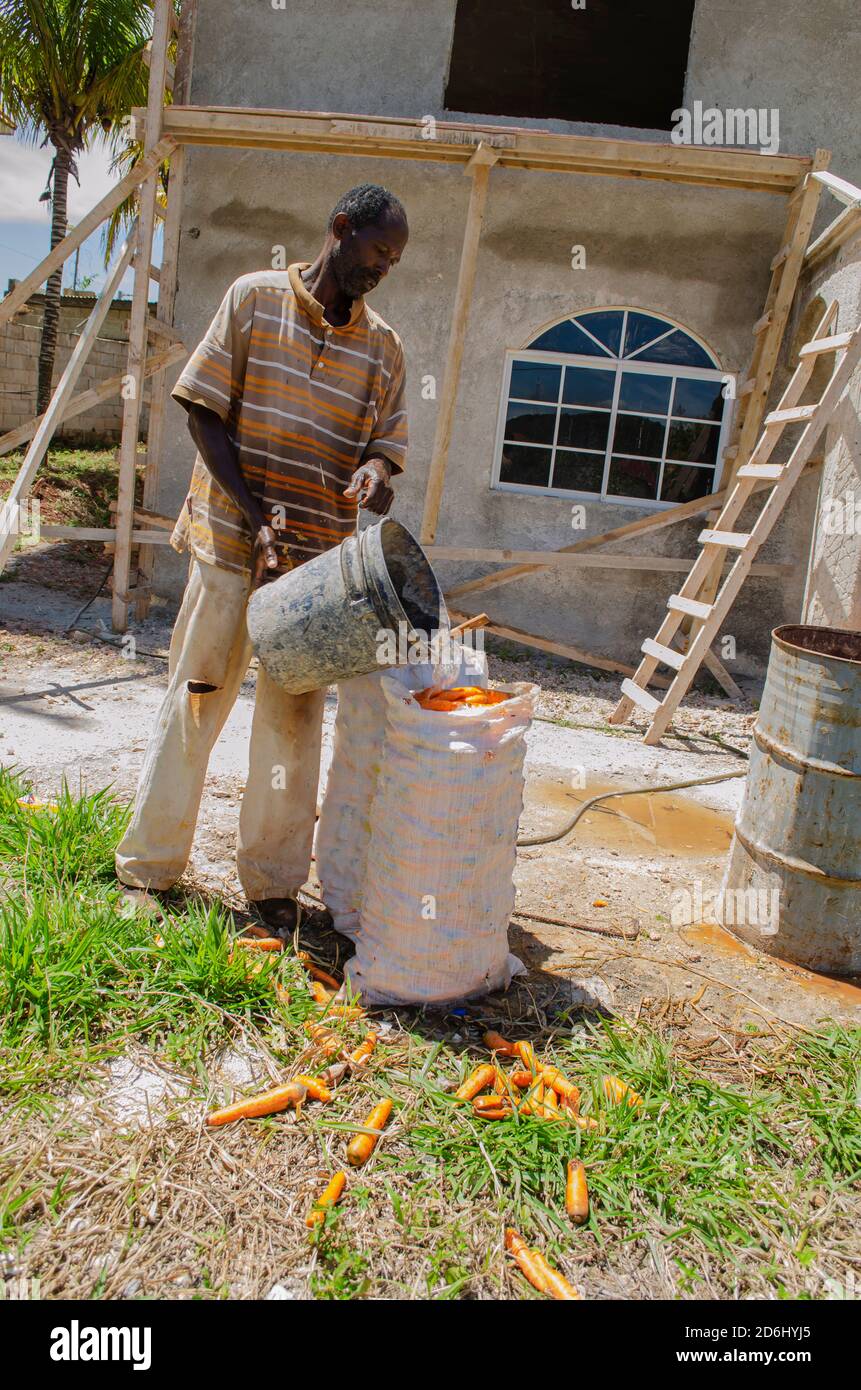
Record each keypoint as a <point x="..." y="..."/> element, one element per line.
<point x="795" y="860"/>
<point x="321" y="622"/>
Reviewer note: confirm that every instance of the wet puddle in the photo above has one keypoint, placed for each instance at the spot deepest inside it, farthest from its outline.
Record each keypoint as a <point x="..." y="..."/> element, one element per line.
<point x="723" y="943"/>
<point x="637" y="826"/>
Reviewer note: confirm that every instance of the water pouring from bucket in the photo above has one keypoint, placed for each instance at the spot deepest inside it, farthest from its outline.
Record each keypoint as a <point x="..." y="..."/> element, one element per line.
<point x="348" y="611"/>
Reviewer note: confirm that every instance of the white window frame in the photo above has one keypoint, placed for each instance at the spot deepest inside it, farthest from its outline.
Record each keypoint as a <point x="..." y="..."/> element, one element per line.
<point x="618" y="365"/>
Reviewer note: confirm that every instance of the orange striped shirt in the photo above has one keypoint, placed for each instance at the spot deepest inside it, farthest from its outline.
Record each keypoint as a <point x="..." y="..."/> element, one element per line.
<point x="304" y="403"/>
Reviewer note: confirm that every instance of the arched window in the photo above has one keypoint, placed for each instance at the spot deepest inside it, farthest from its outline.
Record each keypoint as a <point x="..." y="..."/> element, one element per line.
<point x="613" y="403"/>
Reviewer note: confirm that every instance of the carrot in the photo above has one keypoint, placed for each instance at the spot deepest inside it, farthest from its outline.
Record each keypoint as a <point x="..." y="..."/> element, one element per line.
<point x="267" y="1103"/>
<point x="359" y="1058"/>
<point x="524" y="1079"/>
<point x="320" y="993"/>
<point x="526" y="1053"/>
<point x="617" y="1090"/>
<point x="315" y="1088"/>
<point x="361" y="1146"/>
<point x="345" y="1011"/>
<point x="487" y="697"/>
<point x="551" y="1104"/>
<point x="491" y="1108"/>
<point x="330" y="1076"/>
<point x="553" y="1077"/>
<point x="259" y="943"/>
<point x="328" y="1042"/>
<point x="476" y="1081"/>
<point x="328" y="1197"/>
<point x="497" y="1043"/>
<point x="504" y="1086"/>
<point x="577" y="1192"/>
<point x="318" y="973"/>
<point x="554" y="1283"/>
<point x="444" y="706"/>
<point x="525" y="1259"/>
<point x="584" y="1121"/>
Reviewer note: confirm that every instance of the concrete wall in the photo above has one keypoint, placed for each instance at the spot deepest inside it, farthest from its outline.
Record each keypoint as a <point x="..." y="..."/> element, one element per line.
<point x="19" y="365"/>
<point x="833" y="596"/>
<point x="699" y="255"/>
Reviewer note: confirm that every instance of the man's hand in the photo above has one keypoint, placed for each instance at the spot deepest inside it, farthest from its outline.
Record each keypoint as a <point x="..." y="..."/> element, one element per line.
<point x="370" y="484"/>
<point x="264" y="557"/>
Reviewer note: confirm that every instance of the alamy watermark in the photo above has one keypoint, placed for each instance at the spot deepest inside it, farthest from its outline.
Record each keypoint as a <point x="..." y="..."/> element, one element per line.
<point x="729" y="907"/>
<point x="22" y="519"/>
<point x="411" y="647"/>
<point x="758" y="127"/>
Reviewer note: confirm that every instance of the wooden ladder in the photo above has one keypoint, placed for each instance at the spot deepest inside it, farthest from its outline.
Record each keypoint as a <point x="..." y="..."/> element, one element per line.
<point x="717" y="540"/>
<point x="753" y="392"/>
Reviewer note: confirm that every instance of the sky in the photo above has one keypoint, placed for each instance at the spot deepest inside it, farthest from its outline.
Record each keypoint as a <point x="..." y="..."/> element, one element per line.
<point x="25" y="223"/>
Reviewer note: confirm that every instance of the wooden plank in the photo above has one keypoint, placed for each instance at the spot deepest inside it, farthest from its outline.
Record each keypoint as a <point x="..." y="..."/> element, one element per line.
<point x="479" y="170"/>
<point x="736" y="540"/>
<point x="42" y="436"/>
<point x="132" y="400"/>
<point x="564" y="560"/>
<point x="545" y="644"/>
<point x="84" y="228"/>
<point x="86" y="400"/>
<point x="793" y="416"/>
<point x="820" y="345"/>
<point x="840" y="231"/>
<point x="404" y="138"/>
<point x="679" y="604"/>
<point x="760" y="470"/>
<point x="641" y="697"/>
<point x="101" y="533"/>
<point x="842" y="189"/>
<point x="668" y="656"/>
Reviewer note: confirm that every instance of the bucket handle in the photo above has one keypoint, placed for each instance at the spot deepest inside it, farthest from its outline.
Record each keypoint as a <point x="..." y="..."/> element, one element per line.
<point x="356" y="596"/>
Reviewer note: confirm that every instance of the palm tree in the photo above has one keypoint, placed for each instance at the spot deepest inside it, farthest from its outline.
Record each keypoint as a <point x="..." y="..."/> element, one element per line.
<point x="70" y="70"/>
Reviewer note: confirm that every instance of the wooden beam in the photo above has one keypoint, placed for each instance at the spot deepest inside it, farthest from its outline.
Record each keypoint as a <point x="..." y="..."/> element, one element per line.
<point x="133" y="399"/>
<point x="841" y="189"/>
<point x="655" y="521"/>
<point x="405" y="138"/>
<point x="479" y="169"/>
<point x="102" y="533"/>
<point x="564" y="560"/>
<point x="544" y="644"/>
<point x="87" y="400"/>
<point x="85" y="227"/>
<point x="42" y="436"/>
<point x="844" y="227"/>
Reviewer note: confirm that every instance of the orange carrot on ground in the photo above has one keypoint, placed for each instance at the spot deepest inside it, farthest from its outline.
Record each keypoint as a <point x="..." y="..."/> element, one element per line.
<point x="583" y="1121"/>
<point x="331" y="1075"/>
<point x="315" y="1088"/>
<point x="617" y="1090"/>
<point x="345" y="1011"/>
<point x="551" y="1104"/>
<point x="552" y="1076"/>
<point x="259" y="943"/>
<point x="554" y="1283"/>
<point x="577" y="1192"/>
<point x="320" y="994"/>
<point x="359" y="1058"/>
<point x="477" y="1080"/>
<point x="318" y="973"/>
<point x="328" y="1042"/>
<point x="267" y="1103"/>
<point x="524" y="1079"/>
<point x="497" y="1043"/>
<point x="491" y="1108"/>
<point x="525" y="1259"/>
<point x="361" y="1146"/>
<point x="504" y="1086"/>
<point x="526" y="1053"/>
<point x="328" y="1197"/>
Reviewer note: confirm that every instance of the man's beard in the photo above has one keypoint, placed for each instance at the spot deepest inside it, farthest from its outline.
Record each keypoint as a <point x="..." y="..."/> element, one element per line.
<point x="354" y="280"/>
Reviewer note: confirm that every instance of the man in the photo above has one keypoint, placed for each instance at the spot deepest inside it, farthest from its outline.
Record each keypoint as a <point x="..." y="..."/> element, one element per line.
<point x="295" y="403"/>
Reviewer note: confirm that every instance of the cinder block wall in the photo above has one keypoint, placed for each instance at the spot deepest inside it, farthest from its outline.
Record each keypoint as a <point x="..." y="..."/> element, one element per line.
<point x="19" y="367"/>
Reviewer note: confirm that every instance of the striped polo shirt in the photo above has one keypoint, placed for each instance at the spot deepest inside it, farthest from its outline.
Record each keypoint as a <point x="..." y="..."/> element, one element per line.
<point x="305" y="402"/>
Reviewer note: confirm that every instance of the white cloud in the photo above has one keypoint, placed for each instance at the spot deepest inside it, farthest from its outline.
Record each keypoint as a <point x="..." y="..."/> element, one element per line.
<point x="24" y="173"/>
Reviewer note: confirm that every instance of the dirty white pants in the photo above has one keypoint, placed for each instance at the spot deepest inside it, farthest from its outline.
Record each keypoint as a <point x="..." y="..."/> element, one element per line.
<point x="210" y="647"/>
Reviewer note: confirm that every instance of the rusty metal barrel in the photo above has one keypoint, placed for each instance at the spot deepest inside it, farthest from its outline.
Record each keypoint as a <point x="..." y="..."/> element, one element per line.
<point x="792" y="885"/>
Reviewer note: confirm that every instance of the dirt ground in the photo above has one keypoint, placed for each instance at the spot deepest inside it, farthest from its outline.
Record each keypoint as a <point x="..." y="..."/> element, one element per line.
<point x="76" y="704"/>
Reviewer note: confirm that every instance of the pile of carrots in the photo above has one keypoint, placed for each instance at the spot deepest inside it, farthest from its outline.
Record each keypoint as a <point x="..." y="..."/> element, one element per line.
<point x="532" y="1089"/>
<point x="458" y="697"/>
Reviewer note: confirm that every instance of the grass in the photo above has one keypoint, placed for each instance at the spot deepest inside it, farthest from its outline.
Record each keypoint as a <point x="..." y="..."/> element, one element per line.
<point x="738" y="1180"/>
<point x="75" y="485"/>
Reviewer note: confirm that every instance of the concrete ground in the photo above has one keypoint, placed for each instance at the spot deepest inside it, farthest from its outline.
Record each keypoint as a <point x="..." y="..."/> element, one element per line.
<point x="598" y="913"/>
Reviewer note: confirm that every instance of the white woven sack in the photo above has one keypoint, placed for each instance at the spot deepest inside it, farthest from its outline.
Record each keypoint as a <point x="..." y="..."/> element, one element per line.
<point x="439" y="885"/>
<point x="344" y="827"/>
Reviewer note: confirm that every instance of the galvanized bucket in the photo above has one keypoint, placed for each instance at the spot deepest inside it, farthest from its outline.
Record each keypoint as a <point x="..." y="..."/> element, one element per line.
<point x="327" y="620"/>
<point x="793" y="878"/>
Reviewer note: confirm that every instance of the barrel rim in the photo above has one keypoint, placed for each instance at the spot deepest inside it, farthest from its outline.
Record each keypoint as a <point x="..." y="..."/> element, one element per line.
<point x="787" y="645"/>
